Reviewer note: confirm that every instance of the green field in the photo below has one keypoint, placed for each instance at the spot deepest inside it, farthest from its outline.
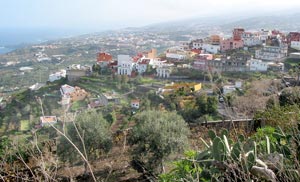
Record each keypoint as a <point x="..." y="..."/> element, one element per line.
<point x="24" y="125"/>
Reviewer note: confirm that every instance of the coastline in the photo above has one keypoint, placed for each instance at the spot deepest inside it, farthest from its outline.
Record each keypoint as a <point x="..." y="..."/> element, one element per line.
<point x="4" y="50"/>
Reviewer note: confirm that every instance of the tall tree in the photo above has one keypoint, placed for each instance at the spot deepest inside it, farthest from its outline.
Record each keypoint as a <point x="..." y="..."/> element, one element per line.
<point x="157" y="135"/>
<point x="90" y="133"/>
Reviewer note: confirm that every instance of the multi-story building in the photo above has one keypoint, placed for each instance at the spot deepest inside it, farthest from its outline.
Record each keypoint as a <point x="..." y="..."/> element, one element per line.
<point x="237" y="34"/>
<point x="257" y="65"/>
<point x="201" y="61"/>
<point x="231" y="44"/>
<point x="197" y="44"/>
<point x="184" y="45"/>
<point x="272" y="53"/>
<point x="264" y="35"/>
<point x="235" y="42"/>
<point x="216" y="65"/>
<point x="142" y="65"/>
<point x="237" y="62"/>
<point x="251" y="39"/>
<point x="164" y="70"/>
<point x="125" y="65"/>
<point x="234" y="63"/>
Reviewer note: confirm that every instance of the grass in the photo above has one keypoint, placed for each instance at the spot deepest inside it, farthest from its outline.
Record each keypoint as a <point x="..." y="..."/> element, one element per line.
<point x="77" y="105"/>
<point x="24" y="125"/>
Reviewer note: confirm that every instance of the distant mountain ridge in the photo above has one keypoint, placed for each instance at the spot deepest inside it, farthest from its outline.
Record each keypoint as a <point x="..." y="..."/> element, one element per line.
<point x="285" y="22"/>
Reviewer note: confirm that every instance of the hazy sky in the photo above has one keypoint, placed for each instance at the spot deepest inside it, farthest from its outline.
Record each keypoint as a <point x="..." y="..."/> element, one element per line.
<point x="105" y="14"/>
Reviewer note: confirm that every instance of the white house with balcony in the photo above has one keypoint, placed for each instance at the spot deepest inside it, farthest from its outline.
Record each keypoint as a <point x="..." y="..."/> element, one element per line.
<point x="164" y="70"/>
<point x="125" y="65"/>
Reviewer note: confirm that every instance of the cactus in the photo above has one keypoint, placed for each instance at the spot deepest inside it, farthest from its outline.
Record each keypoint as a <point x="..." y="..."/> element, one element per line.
<point x="228" y="149"/>
<point x="203" y="155"/>
<point x="218" y="149"/>
<point x="250" y="160"/>
<point x="224" y="132"/>
<point x="212" y="134"/>
<point x="241" y="138"/>
<point x="236" y="151"/>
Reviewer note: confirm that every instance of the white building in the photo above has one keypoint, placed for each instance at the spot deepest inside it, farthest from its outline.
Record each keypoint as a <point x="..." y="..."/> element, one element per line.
<point x="179" y="56"/>
<point x="184" y="45"/>
<point x="197" y="44"/>
<point x="210" y="48"/>
<point x="135" y="104"/>
<point x="164" y="71"/>
<point x="66" y="90"/>
<point x="251" y="39"/>
<point x="272" y="53"/>
<point x="156" y="62"/>
<point x="257" y="65"/>
<point x="125" y="65"/>
<point x="142" y="65"/>
<point x="295" y="45"/>
<point x="275" y="66"/>
<point x="48" y="120"/>
<point x="264" y="35"/>
<point x="231" y="88"/>
<point x="57" y="76"/>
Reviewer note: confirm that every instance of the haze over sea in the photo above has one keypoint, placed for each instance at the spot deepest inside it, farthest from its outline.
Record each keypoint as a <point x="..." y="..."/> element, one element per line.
<point x="11" y="39"/>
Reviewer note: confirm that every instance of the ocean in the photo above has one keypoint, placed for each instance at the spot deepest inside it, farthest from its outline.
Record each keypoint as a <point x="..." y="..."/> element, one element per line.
<point x="13" y="38"/>
<point x="4" y="50"/>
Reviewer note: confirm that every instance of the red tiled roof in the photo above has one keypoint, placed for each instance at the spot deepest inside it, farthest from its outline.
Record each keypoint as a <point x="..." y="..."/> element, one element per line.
<point x="135" y="101"/>
<point x="104" y="57"/>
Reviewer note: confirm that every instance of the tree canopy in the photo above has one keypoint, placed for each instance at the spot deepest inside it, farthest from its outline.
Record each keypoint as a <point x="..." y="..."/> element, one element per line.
<point x="157" y="135"/>
<point x="90" y="133"/>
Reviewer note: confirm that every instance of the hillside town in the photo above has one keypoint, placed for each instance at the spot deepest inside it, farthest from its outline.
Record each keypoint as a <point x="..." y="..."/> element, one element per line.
<point x="208" y="80"/>
<point x="244" y="51"/>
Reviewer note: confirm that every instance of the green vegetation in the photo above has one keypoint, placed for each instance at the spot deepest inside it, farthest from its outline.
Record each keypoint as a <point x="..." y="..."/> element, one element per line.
<point x="156" y="136"/>
<point x="90" y="133"/>
<point x="24" y="125"/>
<point x="77" y="105"/>
<point x="264" y="157"/>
